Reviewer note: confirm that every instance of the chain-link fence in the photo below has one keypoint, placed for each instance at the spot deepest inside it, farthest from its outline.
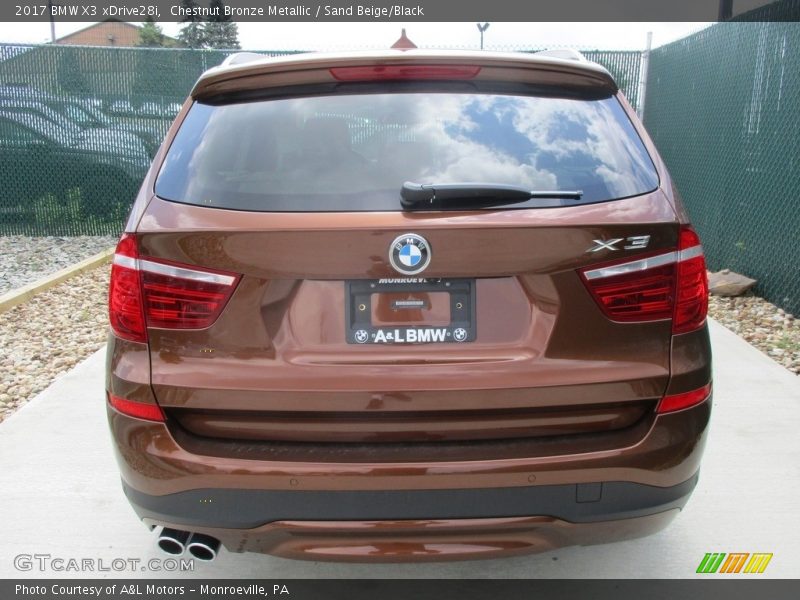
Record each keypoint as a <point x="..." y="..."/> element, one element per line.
<point x="78" y="128"/>
<point x="79" y="125"/>
<point x="723" y="106"/>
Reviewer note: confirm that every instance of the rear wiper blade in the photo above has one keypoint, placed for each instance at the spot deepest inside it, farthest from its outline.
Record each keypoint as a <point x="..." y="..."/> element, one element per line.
<point x="441" y="196"/>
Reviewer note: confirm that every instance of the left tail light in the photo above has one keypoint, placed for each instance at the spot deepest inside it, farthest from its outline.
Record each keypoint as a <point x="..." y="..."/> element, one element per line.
<point x="132" y="408"/>
<point x="150" y="292"/>
<point x="125" y="306"/>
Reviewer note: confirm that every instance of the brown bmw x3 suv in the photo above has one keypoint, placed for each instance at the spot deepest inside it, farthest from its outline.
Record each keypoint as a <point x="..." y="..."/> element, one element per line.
<point x="407" y="305"/>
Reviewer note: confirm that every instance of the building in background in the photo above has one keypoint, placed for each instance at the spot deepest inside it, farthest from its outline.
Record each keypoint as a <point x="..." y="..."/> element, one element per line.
<point x="110" y="32"/>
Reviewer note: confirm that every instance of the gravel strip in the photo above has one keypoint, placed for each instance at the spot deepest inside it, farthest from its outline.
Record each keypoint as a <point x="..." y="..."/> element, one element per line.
<point x="762" y="324"/>
<point x="24" y="259"/>
<point x="50" y="334"/>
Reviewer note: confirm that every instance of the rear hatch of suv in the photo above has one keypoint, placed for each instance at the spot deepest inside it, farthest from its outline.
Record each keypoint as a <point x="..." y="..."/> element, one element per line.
<point x="294" y="302"/>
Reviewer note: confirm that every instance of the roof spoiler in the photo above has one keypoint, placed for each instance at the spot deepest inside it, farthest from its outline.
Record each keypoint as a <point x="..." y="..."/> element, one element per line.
<point x="246" y="71"/>
<point x="239" y="58"/>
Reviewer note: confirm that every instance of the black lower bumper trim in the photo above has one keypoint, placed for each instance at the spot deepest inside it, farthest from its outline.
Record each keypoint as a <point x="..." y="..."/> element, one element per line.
<point x="246" y="509"/>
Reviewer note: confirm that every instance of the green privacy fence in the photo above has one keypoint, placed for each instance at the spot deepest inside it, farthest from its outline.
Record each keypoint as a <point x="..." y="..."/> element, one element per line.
<point x="723" y="107"/>
<point x="79" y="125"/>
<point x="78" y="128"/>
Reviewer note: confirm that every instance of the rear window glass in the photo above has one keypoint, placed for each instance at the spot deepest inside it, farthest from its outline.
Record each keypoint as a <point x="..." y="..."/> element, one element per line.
<point x="355" y="151"/>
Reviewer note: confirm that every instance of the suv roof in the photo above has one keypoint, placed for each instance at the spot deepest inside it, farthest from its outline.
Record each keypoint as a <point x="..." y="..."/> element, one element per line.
<point x="560" y="67"/>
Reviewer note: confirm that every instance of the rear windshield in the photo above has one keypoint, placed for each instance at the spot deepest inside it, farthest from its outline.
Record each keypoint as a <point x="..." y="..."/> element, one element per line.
<point x="355" y="151"/>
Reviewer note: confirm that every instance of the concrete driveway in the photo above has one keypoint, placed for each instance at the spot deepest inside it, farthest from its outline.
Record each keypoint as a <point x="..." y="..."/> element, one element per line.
<point x="61" y="497"/>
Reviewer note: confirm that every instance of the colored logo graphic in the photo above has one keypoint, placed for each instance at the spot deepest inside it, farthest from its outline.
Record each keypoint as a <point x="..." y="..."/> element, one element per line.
<point x="410" y="254"/>
<point x="735" y="562"/>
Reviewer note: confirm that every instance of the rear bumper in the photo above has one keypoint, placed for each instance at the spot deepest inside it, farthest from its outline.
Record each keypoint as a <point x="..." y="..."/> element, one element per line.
<point x="428" y="539"/>
<point x="247" y="509"/>
<point x="414" y="511"/>
<point x="391" y="526"/>
<point x="416" y="501"/>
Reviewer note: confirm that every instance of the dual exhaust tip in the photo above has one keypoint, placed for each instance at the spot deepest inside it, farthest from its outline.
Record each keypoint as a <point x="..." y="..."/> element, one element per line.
<point x="199" y="545"/>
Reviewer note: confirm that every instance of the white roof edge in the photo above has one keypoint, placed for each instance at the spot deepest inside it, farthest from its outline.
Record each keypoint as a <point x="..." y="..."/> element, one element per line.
<point x="565" y="53"/>
<point x="238" y="58"/>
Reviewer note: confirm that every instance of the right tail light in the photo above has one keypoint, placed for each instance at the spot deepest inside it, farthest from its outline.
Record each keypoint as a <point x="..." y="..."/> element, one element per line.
<point x="691" y="304"/>
<point x="671" y="285"/>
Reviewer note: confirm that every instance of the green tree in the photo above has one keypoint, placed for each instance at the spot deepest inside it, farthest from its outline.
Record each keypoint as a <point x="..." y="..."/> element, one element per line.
<point x="220" y="31"/>
<point x="192" y="34"/>
<point x="151" y="35"/>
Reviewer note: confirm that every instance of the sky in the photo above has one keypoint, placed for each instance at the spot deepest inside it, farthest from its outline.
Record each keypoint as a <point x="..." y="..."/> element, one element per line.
<point x="353" y="36"/>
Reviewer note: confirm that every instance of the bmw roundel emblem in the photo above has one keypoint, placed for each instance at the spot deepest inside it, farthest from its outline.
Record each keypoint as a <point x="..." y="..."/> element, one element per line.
<point x="410" y="254"/>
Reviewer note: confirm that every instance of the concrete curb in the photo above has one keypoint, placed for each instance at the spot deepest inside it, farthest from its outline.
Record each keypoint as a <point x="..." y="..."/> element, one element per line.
<point x="25" y="293"/>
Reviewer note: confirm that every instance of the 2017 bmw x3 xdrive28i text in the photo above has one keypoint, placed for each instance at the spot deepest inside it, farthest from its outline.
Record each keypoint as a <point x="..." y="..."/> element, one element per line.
<point x="407" y="305"/>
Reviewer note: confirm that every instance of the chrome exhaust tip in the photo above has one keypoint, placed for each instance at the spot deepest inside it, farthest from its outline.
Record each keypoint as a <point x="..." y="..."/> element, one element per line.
<point x="172" y="541"/>
<point x="203" y="547"/>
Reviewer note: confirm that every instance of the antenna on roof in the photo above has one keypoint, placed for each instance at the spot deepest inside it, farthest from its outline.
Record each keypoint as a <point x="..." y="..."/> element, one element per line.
<point x="403" y="43"/>
<point x="482" y="28"/>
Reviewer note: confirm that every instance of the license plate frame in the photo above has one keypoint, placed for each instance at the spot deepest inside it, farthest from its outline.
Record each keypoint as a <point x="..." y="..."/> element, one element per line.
<point x="359" y="329"/>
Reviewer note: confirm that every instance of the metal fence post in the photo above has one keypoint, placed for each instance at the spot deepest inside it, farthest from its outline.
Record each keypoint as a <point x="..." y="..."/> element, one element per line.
<point x="643" y="74"/>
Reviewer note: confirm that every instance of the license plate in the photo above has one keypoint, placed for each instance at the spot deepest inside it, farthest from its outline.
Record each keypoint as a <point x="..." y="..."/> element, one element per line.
<point x="410" y="311"/>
